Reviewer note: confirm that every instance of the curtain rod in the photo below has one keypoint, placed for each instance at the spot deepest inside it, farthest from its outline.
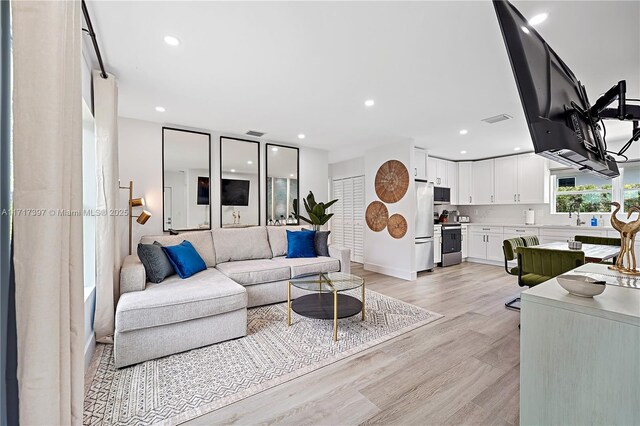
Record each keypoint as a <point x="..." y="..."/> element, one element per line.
<point x="92" y="34"/>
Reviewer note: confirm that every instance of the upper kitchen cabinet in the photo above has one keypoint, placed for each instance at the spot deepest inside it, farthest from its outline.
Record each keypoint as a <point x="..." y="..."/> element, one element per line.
<point x="452" y="181"/>
<point x="521" y="179"/>
<point x="532" y="179"/>
<point x="483" y="183"/>
<point x="465" y="178"/>
<point x="420" y="164"/>
<point x="438" y="171"/>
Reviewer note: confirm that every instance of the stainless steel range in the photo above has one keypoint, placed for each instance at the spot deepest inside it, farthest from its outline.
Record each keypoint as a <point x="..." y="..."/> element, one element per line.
<point x="451" y="244"/>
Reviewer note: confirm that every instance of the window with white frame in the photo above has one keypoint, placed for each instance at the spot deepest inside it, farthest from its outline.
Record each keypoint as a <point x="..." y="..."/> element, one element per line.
<point x="576" y="191"/>
<point x="631" y="186"/>
<point x="573" y="190"/>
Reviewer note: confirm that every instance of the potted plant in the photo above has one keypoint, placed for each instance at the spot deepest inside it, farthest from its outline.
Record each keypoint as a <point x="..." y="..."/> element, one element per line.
<point x="317" y="212"/>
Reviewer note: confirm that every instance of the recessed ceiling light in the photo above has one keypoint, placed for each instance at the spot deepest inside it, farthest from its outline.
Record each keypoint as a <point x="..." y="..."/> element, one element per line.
<point x="249" y="162"/>
<point x="538" y="19"/>
<point x="301" y="136"/>
<point x="517" y="148"/>
<point x="291" y="175"/>
<point x="232" y="170"/>
<point x="160" y="109"/>
<point x="463" y="152"/>
<point x="171" y="40"/>
<point x="464" y="131"/>
<point x="525" y="29"/>
<point x="274" y="149"/>
<point x="369" y="102"/>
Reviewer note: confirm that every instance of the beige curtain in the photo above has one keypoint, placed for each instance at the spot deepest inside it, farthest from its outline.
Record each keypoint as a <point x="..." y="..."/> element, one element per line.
<point x="105" y="104"/>
<point x="47" y="151"/>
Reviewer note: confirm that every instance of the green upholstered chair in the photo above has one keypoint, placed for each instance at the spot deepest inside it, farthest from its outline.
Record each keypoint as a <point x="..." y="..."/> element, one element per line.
<point x="509" y="249"/>
<point x="537" y="265"/>
<point x="603" y="241"/>
<point x="530" y="240"/>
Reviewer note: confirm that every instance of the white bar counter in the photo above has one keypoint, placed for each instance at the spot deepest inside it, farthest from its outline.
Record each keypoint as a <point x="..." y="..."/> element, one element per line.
<point x="580" y="357"/>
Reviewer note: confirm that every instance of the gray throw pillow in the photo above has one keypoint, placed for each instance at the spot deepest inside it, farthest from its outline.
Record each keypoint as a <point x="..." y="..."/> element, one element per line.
<point x="321" y="243"/>
<point x="155" y="261"/>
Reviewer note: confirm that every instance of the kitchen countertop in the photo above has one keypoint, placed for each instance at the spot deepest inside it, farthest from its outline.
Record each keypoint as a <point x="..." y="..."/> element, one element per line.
<point x="520" y="225"/>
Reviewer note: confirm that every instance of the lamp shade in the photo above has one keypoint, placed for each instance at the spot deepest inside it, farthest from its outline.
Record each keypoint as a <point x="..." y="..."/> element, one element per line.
<point x="144" y="217"/>
<point x="137" y="202"/>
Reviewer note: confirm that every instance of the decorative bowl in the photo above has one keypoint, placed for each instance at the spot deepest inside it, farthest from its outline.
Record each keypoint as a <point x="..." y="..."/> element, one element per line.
<point x="575" y="245"/>
<point x="580" y="285"/>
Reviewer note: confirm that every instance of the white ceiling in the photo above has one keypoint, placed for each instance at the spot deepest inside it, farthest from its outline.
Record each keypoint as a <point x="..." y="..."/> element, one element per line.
<point x="286" y="68"/>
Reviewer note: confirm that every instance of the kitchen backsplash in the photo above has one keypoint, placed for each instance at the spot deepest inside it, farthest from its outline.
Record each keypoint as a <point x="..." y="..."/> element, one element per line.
<point x="516" y="214"/>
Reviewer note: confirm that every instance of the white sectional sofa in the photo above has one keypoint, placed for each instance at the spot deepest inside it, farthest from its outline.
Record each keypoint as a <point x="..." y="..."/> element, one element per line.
<point x="246" y="267"/>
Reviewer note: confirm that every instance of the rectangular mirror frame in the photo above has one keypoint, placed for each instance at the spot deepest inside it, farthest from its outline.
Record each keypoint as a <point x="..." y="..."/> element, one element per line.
<point x="266" y="174"/>
<point x="163" y="181"/>
<point x="220" y="178"/>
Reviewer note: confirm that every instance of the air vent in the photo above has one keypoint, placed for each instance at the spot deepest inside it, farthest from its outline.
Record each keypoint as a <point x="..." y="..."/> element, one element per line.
<point x="497" y="118"/>
<point x="255" y="133"/>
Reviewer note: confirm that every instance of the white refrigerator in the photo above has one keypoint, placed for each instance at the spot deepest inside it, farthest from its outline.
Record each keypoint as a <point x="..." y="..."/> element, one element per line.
<point x="424" y="226"/>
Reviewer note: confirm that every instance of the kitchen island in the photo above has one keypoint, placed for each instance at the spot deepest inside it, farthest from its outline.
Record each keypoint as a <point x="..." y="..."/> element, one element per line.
<point x="579" y="357"/>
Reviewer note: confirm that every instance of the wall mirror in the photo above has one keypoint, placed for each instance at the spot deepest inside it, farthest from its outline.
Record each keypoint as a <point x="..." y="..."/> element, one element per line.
<point x="186" y="171"/>
<point x="282" y="173"/>
<point x="239" y="183"/>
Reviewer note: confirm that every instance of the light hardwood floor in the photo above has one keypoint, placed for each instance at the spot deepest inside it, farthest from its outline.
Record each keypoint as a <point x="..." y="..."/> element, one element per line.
<point x="462" y="369"/>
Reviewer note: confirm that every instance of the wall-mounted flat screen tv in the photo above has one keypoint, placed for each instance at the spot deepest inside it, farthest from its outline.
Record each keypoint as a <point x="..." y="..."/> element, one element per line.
<point x="234" y="192"/>
<point x="203" y="190"/>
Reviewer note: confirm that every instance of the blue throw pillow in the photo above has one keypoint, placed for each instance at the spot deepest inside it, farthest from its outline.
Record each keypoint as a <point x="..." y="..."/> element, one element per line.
<point x="185" y="259"/>
<point x="300" y="244"/>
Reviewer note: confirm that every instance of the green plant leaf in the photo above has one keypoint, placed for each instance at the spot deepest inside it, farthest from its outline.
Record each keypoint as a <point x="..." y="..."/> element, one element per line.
<point x="330" y="203"/>
<point x="315" y="220"/>
<point x="326" y="219"/>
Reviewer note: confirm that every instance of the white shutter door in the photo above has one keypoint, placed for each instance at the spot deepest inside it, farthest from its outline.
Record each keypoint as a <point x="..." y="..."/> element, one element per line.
<point x="357" y="252"/>
<point x="348" y="213"/>
<point x="337" y="221"/>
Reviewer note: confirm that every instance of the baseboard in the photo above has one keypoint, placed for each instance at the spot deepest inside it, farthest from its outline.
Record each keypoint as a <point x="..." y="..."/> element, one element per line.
<point x="394" y="272"/>
<point x="485" y="261"/>
<point x="89" y="348"/>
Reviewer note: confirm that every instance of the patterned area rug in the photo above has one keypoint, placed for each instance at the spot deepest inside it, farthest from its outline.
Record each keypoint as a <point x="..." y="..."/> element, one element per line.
<point x="184" y="386"/>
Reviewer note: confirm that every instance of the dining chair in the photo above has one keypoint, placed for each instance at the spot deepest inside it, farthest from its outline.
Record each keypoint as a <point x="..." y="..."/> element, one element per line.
<point x="603" y="241"/>
<point x="509" y="249"/>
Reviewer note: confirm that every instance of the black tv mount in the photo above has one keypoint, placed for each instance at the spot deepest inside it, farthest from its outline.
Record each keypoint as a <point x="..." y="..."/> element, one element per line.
<point x="624" y="111"/>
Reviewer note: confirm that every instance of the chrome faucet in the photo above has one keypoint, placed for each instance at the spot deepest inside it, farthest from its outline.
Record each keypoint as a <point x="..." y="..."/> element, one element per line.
<point x="578" y="221"/>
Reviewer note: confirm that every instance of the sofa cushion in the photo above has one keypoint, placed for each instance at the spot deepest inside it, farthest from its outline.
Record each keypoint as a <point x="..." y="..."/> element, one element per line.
<point x="249" y="272"/>
<point x="201" y="241"/>
<point x="185" y="259"/>
<point x="278" y="238"/>
<point x="241" y="244"/>
<point x="321" y="242"/>
<point x="156" y="263"/>
<point x="175" y="300"/>
<point x="300" y="244"/>
<point x="309" y="265"/>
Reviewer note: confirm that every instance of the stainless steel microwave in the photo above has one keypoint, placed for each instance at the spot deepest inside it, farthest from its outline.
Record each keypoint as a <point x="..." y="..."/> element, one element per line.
<point x="441" y="195"/>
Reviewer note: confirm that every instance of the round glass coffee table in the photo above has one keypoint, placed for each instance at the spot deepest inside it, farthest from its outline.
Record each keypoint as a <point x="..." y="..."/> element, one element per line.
<point x="327" y="300"/>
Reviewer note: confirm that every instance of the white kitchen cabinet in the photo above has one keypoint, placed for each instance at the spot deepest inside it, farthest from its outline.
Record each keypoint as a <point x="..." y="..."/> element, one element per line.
<point x="483" y="191"/>
<point x="485" y="242"/>
<point x="438" y="171"/>
<point x="465" y="177"/>
<point x="420" y="164"/>
<point x="552" y="235"/>
<point x="532" y="179"/>
<point x="506" y="180"/>
<point x="465" y="242"/>
<point x="515" y="232"/>
<point x="437" y="245"/>
<point x="452" y="181"/>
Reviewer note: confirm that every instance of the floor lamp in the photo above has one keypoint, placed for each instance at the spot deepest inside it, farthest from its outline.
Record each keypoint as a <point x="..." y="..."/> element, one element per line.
<point x="143" y="217"/>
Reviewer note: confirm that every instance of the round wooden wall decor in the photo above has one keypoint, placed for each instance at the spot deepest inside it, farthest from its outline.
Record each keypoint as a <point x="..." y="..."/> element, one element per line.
<point x="392" y="181"/>
<point x="397" y="226"/>
<point x="376" y="216"/>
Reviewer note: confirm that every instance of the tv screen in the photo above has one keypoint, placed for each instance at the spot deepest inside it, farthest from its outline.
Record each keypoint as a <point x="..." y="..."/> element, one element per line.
<point x="555" y="103"/>
<point x="234" y="192"/>
<point x="203" y="190"/>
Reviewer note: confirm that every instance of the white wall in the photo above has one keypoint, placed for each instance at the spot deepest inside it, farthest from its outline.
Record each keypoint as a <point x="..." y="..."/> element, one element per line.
<point x="383" y="253"/>
<point x="140" y="151"/>
<point x="346" y="169"/>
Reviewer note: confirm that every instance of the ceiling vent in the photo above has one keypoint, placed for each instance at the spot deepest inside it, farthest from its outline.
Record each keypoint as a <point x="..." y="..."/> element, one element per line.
<point x="255" y="133"/>
<point x="497" y="118"/>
